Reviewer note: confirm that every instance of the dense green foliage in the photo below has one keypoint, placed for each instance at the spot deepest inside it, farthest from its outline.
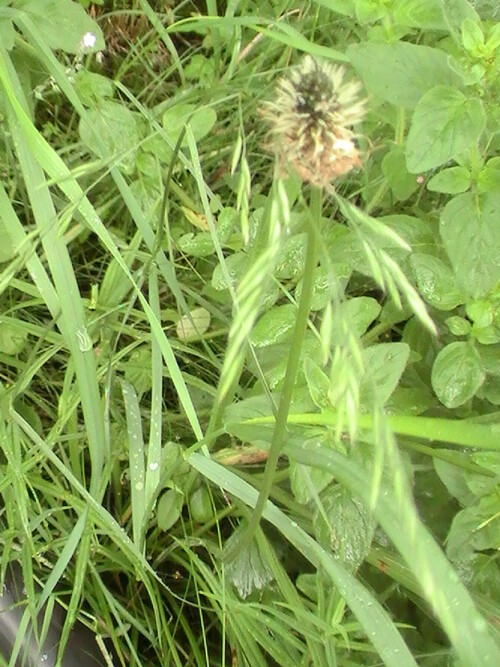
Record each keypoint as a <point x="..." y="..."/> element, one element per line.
<point x="188" y="334"/>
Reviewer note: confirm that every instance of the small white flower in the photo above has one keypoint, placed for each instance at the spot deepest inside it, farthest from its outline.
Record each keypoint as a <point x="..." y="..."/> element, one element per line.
<point x="88" y="40"/>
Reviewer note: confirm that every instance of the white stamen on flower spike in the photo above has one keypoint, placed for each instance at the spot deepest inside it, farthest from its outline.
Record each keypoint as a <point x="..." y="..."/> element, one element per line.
<point x="311" y="119"/>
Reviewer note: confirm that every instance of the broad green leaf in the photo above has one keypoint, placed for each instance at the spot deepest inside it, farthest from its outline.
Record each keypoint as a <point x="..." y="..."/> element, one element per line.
<point x="473" y="38"/>
<point x="226" y="221"/>
<point x="192" y="326"/>
<point x="457" y="11"/>
<point x="358" y="313"/>
<point x="111" y="131"/>
<point x="63" y="23"/>
<point x="490" y="358"/>
<point x="30" y="414"/>
<point x="291" y="257"/>
<point x="146" y="189"/>
<point x="471" y="236"/>
<point x="414" y="70"/>
<point x="457" y="374"/>
<point x="490" y="461"/>
<point x="419" y="14"/>
<point x="483" y="573"/>
<point x="486" y="335"/>
<point x="409" y="401"/>
<point x="93" y="88"/>
<point x="345" y="7"/>
<point x="200" y="505"/>
<point x="236" y="266"/>
<point x="318" y="383"/>
<point x="454" y="476"/>
<point x="402" y="183"/>
<point x="196" y="245"/>
<point x="393" y="313"/>
<point x="274" y="360"/>
<point x="368" y="11"/>
<point x="475" y="528"/>
<point x="169" y="509"/>
<point x="328" y="283"/>
<point x="274" y="326"/>
<point x="138" y="369"/>
<point x="458" y="326"/>
<point x="491" y="389"/>
<point x="400" y="231"/>
<point x="445" y="123"/>
<point x="201" y="119"/>
<point x="12" y="339"/>
<point x="237" y="413"/>
<point x="306" y="481"/>
<point x="384" y="364"/>
<point x="201" y="69"/>
<point x="488" y="179"/>
<point x="480" y="312"/>
<point x="451" y="181"/>
<point x="432" y="14"/>
<point x="415" y="232"/>
<point x="436" y="282"/>
<point x="344" y="527"/>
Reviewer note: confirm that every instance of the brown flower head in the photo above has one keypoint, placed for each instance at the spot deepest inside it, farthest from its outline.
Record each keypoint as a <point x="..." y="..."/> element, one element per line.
<point x="311" y="121"/>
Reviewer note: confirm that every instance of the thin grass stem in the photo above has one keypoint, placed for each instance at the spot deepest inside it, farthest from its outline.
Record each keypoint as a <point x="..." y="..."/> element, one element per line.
<point x="290" y="374"/>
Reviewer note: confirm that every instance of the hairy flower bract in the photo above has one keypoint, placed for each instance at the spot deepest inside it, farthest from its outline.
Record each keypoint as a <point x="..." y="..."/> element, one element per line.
<point x="311" y="119"/>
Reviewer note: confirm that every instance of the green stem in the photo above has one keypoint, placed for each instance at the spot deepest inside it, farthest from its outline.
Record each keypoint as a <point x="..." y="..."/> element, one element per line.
<point x="280" y="426"/>
<point x="462" y="432"/>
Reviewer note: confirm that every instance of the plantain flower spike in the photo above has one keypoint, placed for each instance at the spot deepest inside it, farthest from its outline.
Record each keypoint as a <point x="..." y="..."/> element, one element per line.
<point x="311" y="120"/>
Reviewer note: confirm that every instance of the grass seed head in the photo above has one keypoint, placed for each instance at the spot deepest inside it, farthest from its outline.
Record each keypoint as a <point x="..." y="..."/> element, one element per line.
<point x="311" y="120"/>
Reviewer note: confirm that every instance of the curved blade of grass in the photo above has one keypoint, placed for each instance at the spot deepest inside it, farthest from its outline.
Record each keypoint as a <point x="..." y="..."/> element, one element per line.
<point x="377" y="624"/>
<point x="136" y="460"/>
<point x="155" y="423"/>
<point x="435" y="429"/>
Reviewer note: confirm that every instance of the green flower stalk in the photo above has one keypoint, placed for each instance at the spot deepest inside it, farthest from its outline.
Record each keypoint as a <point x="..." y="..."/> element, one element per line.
<point x="311" y="120"/>
<point x="310" y="129"/>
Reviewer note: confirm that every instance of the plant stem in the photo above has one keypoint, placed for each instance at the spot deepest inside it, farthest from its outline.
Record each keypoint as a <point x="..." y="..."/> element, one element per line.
<point x="315" y="209"/>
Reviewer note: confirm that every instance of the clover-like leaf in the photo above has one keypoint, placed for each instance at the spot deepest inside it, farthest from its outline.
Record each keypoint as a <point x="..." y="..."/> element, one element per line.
<point x="414" y="70"/>
<point x="457" y="374"/>
<point x="445" y="123"/>
<point x="471" y="236"/>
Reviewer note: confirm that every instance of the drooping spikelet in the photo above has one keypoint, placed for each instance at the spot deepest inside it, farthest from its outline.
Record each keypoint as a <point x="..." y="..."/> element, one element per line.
<point x="311" y="120"/>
